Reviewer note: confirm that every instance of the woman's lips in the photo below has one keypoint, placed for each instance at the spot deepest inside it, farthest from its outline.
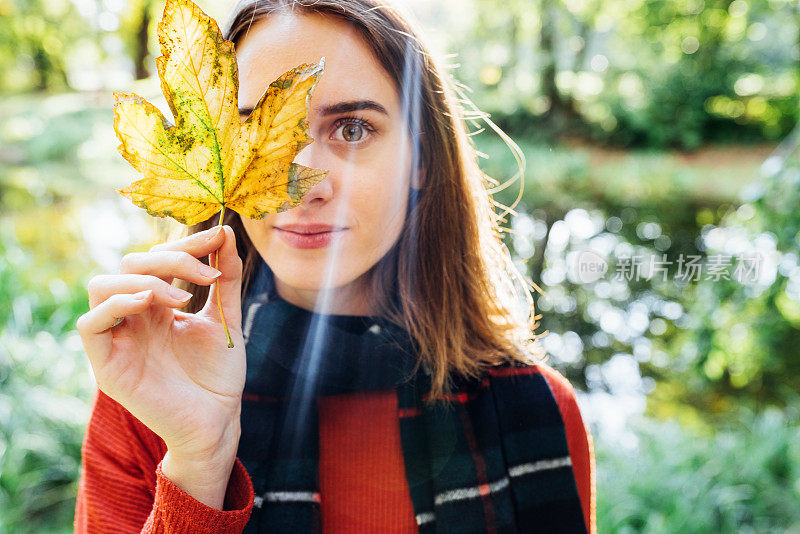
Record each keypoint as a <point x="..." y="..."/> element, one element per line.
<point x="305" y="241"/>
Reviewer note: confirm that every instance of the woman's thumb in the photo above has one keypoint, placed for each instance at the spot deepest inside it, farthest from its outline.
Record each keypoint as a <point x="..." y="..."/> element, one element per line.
<point x="228" y="284"/>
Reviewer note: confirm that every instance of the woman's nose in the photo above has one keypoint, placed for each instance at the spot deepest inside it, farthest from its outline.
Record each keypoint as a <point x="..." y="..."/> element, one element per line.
<point x="322" y="191"/>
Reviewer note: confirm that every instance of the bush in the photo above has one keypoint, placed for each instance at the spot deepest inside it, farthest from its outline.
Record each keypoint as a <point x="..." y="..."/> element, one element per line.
<point x="743" y="478"/>
<point x="44" y="386"/>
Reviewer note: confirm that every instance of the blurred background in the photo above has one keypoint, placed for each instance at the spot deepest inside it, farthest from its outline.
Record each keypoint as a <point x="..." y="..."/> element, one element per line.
<point x="660" y="217"/>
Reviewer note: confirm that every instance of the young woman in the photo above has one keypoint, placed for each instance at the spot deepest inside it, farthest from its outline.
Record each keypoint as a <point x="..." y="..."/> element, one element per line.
<point x="383" y="377"/>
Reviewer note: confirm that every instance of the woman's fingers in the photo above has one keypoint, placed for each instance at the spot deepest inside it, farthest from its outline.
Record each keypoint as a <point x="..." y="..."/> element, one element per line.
<point x="168" y="265"/>
<point x="104" y="286"/>
<point x="177" y="259"/>
<point x="95" y="325"/>
<point x="195" y="244"/>
<point x="229" y="283"/>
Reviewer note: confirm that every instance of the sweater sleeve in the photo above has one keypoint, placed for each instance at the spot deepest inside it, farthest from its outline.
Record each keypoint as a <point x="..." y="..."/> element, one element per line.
<point x="122" y="489"/>
<point x="579" y="441"/>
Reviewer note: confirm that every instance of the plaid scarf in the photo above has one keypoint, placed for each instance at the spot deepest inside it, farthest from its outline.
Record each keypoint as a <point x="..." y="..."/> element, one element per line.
<point x="492" y="457"/>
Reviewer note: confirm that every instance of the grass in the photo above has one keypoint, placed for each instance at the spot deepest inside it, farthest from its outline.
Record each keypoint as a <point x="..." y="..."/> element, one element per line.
<point x="720" y="172"/>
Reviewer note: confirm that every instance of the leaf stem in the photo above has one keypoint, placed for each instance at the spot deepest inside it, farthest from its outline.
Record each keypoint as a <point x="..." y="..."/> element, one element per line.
<point x="219" y="300"/>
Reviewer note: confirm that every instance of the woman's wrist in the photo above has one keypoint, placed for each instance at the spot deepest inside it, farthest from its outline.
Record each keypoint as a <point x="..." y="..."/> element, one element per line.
<point x="209" y="445"/>
<point x="206" y="481"/>
<point x="204" y="475"/>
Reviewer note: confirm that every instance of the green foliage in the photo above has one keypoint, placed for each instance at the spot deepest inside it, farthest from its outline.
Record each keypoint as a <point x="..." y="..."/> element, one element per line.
<point x="666" y="73"/>
<point x="36" y="39"/>
<point x="743" y="478"/>
<point x="703" y="71"/>
<point x="51" y="148"/>
<point x="44" y="386"/>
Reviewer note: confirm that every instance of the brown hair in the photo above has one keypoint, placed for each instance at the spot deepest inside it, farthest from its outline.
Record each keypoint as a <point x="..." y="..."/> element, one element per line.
<point x="453" y="277"/>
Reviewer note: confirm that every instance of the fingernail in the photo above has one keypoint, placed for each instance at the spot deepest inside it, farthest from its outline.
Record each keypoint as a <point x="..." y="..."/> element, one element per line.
<point x="141" y="295"/>
<point x="207" y="270"/>
<point x="217" y="233"/>
<point x="179" y="294"/>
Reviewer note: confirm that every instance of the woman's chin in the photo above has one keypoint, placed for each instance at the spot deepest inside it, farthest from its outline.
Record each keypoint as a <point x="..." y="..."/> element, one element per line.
<point x="304" y="278"/>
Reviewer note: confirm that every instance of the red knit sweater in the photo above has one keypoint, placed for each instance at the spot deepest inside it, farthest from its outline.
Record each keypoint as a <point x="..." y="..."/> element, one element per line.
<point x="361" y="467"/>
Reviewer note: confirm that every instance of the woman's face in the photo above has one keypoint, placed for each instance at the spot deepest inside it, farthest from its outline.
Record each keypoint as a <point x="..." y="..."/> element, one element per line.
<point x="366" y="151"/>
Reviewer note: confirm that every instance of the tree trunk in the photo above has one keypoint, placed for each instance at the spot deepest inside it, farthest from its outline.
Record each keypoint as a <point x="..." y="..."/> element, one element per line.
<point x="140" y="58"/>
<point x="560" y="111"/>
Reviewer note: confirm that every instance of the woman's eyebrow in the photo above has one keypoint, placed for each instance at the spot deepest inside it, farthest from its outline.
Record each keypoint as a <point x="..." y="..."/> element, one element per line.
<point x="352" y="105"/>
<point x="339" y="107"/>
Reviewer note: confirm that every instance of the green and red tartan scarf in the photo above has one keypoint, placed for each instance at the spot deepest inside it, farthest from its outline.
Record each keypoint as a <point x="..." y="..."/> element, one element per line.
<point x="494" y="458"/>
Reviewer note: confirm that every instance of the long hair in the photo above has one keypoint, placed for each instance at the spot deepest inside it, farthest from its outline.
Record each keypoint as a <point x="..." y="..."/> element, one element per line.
<point x="457" y="290"/>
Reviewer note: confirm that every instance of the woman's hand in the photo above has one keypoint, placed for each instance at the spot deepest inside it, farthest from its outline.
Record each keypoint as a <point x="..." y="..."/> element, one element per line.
<point x="173" y="370"/>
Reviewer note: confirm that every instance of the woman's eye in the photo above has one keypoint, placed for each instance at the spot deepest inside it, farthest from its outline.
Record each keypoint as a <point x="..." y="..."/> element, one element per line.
<point x="353" y="130"/>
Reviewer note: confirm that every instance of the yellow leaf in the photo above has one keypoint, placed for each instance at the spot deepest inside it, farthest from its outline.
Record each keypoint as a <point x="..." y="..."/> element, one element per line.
<point x="209" y="159"/>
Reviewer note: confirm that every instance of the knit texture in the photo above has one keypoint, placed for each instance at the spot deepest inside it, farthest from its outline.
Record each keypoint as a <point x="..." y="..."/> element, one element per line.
<point x="361" y="473"/>
<point x="579" y="440"/>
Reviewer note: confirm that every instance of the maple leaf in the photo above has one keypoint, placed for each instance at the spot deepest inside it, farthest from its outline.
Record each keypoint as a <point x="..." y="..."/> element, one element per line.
<point x="209" y="160"/>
